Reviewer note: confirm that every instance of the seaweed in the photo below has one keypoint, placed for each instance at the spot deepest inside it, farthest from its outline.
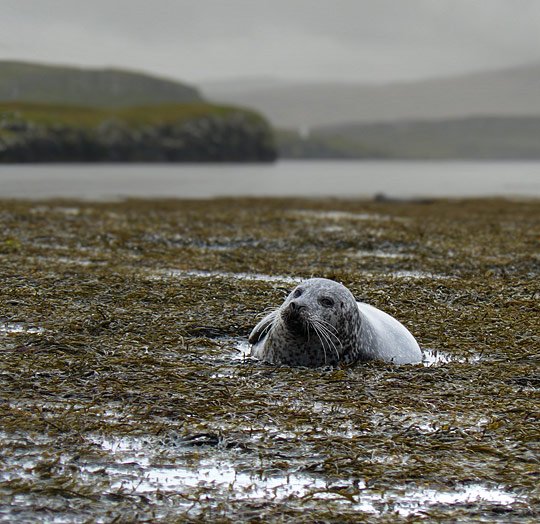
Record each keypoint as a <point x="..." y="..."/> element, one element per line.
<point x="126" y="394"/>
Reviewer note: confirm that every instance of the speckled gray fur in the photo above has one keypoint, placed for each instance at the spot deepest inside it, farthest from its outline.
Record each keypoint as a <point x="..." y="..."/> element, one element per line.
<point x="320" y="323"/>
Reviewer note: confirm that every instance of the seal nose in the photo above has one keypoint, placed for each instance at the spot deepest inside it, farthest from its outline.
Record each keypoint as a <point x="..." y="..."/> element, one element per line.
<point x="294" y="316"/>
<point x="296" y="307"/>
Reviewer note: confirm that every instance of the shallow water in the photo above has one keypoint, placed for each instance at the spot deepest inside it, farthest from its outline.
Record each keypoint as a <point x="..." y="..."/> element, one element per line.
<point x="146" y="467"/>
<point x="18" y="327"/>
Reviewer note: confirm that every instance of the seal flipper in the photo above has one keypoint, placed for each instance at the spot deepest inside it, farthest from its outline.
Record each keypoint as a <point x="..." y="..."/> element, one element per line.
<point x="260" y="330"/>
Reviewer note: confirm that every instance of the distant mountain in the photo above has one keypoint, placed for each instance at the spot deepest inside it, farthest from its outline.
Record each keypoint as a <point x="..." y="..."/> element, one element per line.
<point x="471" y="138"/>
<point x="513" y="91"/>
<point x="28" y="82"/>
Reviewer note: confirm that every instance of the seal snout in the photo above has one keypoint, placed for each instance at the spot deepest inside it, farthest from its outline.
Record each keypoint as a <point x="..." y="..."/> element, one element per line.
<point x="294" y="306"/>
<point x="295" y="315"/>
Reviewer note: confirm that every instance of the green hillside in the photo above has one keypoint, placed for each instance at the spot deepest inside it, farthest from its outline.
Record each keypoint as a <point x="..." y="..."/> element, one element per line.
<point x="195" y="132"/>
<point x="28" y="82"/>
<point x="87" y="117"/>
<point x="461" y="138"/>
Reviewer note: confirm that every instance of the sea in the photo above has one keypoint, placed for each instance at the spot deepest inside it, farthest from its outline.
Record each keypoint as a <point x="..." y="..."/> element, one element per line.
<point x="287" y="178"/>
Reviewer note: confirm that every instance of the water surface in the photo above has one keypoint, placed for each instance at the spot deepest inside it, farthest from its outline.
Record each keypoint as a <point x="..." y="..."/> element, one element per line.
<point x="397" y="179"/>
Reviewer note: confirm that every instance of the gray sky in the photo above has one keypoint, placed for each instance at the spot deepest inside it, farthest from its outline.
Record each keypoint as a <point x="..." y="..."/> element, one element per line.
<point x="349" y="40"/>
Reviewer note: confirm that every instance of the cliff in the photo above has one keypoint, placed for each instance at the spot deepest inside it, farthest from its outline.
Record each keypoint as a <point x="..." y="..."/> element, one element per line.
<point x="165" y="133"/>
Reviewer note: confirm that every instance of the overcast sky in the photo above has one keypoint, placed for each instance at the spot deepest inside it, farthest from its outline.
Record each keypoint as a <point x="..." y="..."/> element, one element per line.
<point x="351" y="40"/>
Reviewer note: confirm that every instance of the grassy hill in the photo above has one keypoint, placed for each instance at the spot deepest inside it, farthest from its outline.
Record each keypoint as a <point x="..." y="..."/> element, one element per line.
<point x="29" y="82"/>
<point x="56" y="114"/>
<point x="461" y="138"/>
<point x="136" y="116"/>
<point x="195" y="132"/>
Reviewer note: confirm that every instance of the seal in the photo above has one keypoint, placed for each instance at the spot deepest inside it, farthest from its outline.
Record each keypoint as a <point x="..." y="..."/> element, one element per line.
<point x="321" y="324"/>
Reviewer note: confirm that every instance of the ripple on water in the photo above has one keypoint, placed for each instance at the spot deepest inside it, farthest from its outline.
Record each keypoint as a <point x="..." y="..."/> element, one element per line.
<point x="435" y="357"/>
<point x="242" y="346"/>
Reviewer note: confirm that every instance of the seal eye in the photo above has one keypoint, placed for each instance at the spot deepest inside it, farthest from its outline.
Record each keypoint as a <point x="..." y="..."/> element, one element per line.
<point x="326" y="302"/>
<point x="297" y="293"/>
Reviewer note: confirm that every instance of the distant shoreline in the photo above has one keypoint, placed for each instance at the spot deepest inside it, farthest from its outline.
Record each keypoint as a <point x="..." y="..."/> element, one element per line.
<point x="466" y="138"/>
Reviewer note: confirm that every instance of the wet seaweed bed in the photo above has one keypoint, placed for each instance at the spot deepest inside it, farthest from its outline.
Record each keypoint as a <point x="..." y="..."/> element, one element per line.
<point x="127" y="392"/>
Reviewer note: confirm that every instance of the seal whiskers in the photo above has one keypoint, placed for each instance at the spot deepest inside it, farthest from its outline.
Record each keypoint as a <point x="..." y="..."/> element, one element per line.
<point x="322" y="338"/>
<point x="330" y="329"/>
<point x="326" y="334"/>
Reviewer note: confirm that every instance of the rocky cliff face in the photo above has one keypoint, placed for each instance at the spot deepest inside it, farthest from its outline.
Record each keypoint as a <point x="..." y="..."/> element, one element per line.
<point x="232" y="137"/>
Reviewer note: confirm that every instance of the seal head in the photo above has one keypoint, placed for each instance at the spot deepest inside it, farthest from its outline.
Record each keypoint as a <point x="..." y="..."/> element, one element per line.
<point x="320" y="323"/>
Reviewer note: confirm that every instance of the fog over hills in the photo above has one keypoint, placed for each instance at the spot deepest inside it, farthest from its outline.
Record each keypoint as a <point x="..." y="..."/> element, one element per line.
<point x="513" y="91"/>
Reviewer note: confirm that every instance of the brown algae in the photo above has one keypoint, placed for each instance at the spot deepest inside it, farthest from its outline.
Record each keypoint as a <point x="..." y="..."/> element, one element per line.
<point x="127" y="396"/>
